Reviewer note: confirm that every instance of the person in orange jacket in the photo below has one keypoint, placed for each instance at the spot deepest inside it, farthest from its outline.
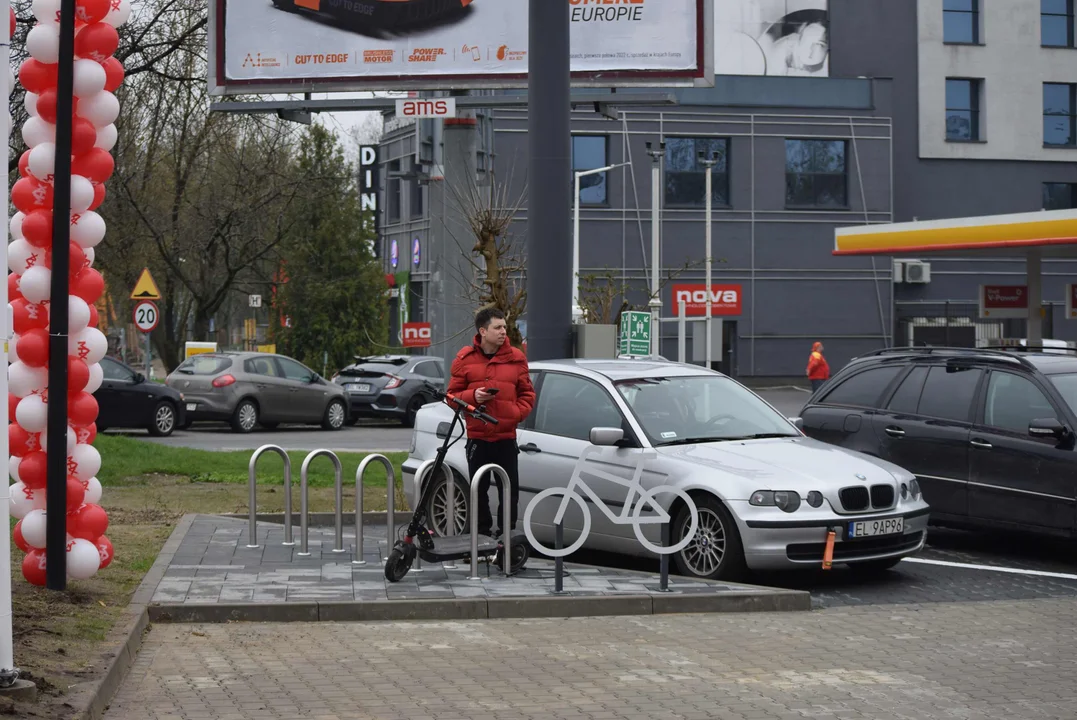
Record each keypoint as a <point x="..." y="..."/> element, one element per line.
<point x="818" y="370"/>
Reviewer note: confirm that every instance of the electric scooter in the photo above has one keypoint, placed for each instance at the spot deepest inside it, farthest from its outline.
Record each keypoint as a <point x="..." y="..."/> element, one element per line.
<point x="419" y="540"/>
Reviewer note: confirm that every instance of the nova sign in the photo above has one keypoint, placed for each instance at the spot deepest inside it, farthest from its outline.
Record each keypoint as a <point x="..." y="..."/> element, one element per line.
<point x="416" y="334"/>
<point x="725" y="300"/>
<point x="431" y="108"/>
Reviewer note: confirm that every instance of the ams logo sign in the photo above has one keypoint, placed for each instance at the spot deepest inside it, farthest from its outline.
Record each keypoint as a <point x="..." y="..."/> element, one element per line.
<point x="436" y="108"/>
<point x="416" y="335"/>
<point x="725" y="300"/>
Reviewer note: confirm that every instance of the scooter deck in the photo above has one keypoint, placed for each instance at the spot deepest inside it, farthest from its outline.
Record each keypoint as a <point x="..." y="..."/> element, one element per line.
<point x="457" y="545"/>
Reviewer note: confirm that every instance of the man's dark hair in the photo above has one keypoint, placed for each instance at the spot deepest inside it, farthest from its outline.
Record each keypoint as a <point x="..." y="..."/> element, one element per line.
<point x="484" y="316"/>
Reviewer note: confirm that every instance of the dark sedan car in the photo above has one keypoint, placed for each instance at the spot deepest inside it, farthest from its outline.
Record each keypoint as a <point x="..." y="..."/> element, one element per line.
<point x="390" y="386"/>
<point x="126" y="399"/>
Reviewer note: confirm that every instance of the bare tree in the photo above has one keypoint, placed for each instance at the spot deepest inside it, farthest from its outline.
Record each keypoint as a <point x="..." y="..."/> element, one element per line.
<point x="604" y="296"/>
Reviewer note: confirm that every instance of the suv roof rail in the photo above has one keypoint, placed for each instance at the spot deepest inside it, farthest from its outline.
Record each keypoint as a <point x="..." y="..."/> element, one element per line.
<point x="1031" y="348"/>
<point x="984" y="353"/>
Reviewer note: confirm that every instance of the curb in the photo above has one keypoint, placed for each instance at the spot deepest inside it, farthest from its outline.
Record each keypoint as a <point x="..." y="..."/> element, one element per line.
<point x="323" y="519"/>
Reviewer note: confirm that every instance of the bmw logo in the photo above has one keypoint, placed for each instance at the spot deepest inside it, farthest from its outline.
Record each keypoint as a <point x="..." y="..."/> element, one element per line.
<point x="861" y="477"/>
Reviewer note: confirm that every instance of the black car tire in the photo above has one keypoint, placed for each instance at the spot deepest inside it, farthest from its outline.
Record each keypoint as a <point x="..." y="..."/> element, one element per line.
<point x="336" y="415"/>
<point x="245" y="417"/>
<point x="412" y="410"/>
<point x="436" y="518"/>
<point x="715" y="524"/>
<point x="164" y="419"/>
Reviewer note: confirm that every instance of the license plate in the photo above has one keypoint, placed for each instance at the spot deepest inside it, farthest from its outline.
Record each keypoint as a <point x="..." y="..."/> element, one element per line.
<point x="363" y="388"/>
<point x="872" y="528"/>
<point x="191" y="407"/>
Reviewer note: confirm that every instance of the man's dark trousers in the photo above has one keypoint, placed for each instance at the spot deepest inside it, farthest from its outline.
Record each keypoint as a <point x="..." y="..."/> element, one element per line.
<point x="500" y="452"/>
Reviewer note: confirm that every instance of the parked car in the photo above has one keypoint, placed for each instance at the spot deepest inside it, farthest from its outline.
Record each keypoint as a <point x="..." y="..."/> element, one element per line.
<point x="126" y="399"/>
<point x="390" y="386"/>
<point x="766" y="495"/>
<point x="251" y="388"/>
<point x="989" y="434"/>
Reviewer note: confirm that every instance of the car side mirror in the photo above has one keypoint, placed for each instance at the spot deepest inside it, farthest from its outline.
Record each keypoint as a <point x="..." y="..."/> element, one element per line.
<point x="139" y="378"/>
<point x="798" y="423"/>
<point x="606" y="436"/>
<point x="1047" y="428"/>
<point x="314" y="378"/>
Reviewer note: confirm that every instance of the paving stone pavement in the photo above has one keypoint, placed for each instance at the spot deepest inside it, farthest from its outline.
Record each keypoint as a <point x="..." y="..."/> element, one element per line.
<point x="978" y="661"/>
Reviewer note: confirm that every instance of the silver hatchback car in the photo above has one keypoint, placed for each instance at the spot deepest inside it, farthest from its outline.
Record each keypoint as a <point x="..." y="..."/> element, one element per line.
<point x="606" y="432"/>
<point x="248" y="389"/>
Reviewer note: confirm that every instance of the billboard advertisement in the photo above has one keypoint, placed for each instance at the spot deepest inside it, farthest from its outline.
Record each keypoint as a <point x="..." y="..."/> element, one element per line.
<point x="772" y="37"/>
<point x="261" y="46"/>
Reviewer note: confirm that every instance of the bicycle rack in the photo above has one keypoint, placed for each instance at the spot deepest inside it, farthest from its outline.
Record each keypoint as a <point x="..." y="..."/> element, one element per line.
<point x="506" y="518"/>
<point x="253" y="533"/>
<point x="390" y="481"/>
<point x="339" y="513"/>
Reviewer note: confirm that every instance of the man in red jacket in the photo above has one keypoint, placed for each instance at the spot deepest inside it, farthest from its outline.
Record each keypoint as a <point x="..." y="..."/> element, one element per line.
<point x="493" y="373"/>
<point x="818" y="369"/>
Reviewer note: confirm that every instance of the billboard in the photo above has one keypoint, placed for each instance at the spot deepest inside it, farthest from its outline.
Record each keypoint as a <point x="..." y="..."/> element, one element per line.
<point x="772" y="37"/>
<point x="270" y="46"/>
<point x="726" y="300"/>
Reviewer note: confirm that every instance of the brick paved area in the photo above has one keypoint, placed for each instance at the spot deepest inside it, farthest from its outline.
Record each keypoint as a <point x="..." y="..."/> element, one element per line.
<point x="977" y="661"/>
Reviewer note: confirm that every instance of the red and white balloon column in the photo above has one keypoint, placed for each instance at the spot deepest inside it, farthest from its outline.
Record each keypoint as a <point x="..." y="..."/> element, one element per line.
<point x="96" y="76"/>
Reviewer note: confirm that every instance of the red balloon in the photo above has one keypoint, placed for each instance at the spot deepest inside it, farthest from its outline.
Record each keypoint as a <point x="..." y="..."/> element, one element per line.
<point x="98" y="196"/>
<point x="82" y="408"/>
<point x="24" y="164"/>
<point x="37" y="76"/>
<point x="97" y="42"/>
<point x="83" y="136"/>
<point x="33" y="347"/>
<point x="33" y="567"/>
<point x="78" y="375"/>
<point x="37" y="228"/>
<point x="20" y="541"/>
<point x="91" y="11"/>
<point x="88" y="285"/>
<point x="104" y="547"/>
<point x="96" y="165"/>
<point x="13" y="287"/>
<point x="76" y="493"/>
<point x="12" y="403"/>
<point x="27" y="316"/>
<point x="89" y="522"/>
<point x="33" y="470"/>
<point x="11" y="24"/>
<point x="94" y="319"/>
<point x="86" y="434"/>
<point x="114" y="74"/>
<point x="29" y="194"/>
<point x="76" y="259"/>
<point x="46" y="105"/>
<point x="21" y="442"/>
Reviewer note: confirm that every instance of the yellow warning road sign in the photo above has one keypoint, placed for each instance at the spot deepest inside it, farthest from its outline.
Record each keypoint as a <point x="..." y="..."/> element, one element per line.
<point x="145" y="288"/>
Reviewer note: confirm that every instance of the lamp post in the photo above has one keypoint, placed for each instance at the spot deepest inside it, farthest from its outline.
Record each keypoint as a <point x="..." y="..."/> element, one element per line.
<point x="577" y="311"/>
<point x="709" y="164"/>
<point x="656" y="198"/>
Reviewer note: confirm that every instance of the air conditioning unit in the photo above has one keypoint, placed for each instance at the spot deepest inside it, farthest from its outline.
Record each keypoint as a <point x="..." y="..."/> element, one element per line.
<point x="915" y="272"/>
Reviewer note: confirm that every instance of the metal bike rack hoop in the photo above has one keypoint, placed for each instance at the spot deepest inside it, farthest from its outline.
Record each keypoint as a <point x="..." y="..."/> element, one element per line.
<point x="506" y="517"/>
<point x="419" y="475"/>
<point x="252" y="540"/>
<point x="390" y="481"/>
<point x="339" y="487"/>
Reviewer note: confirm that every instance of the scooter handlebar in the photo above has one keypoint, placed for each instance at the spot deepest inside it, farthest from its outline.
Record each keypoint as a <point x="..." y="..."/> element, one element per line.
<point x="467" y="407"/>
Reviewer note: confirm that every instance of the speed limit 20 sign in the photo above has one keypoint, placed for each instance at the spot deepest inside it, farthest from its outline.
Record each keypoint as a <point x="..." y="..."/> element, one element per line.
<point x="146" y="316"/>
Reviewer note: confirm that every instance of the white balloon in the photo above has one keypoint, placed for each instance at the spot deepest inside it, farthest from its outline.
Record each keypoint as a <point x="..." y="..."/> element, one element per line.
<point x="78" y="314"/>
<point x="71" y="441"/>
<point x="29" y="101"/>
<point x="22" y="500"/>
<point x="36" y="131"/>
<point x="24" y="380"/>
<point x="89" y="78"/>
<point x="91" y="255"/>
<point x="81" y="193"/>
<point x="46" y="11"/>
<point x="13" y="468"/>
<point x="42" y="162"/>
<point x="100" y="108"/>
<point x="32" y="413"/>
<point x="34" y="528"/>
<point x="90" y="345"/>
<point x="12" y="353"/>
<point x="10" y="80"/>
<point x="97" y="376"/>
<point x="88" y="229"/>
<point x="83" y="559"/>
<point x="19" y="253"/>
<point x="15" y="225"/>
<point x="87" y="461"/>
<point x="106" y="137"/>
<point x="93" y="492"/>
<point x="119" y="14"/>
<point x="43" y="43"/>
<point x="36" y="283"/>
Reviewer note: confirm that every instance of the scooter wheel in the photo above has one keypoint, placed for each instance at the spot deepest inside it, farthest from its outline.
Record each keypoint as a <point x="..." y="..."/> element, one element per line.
<point x="398" y="564"/>
<point x="520" y="553"/>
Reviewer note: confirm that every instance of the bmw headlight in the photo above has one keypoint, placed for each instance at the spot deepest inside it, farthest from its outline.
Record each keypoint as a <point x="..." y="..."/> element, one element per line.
<point x="787" y="500"/>
<point x="914" y="488"/>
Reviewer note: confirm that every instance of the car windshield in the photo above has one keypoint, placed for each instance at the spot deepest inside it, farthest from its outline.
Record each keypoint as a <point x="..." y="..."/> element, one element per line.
<point x="1066" y="384"/>
<point x="204" y="365"/>
<point x="703" y="408"/>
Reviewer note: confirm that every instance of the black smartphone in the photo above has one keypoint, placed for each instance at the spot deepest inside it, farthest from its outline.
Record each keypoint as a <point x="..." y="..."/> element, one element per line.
<point x="492" y="391"/>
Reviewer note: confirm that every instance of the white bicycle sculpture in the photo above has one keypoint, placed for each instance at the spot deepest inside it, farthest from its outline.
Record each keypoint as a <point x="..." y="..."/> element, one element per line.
<point x="646" y="497"/>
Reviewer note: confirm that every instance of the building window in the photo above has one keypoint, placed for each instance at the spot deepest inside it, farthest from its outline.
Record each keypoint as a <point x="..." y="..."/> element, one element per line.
<point x="394" y="192"/>
<point x="962" y="109"/>
<point x="1058" y="114"/>
<point x="1059" y="196"/>
<point x="961" y="21"/>
<point x="1056" y="23"/>
<point x="416" y="199"/>
<point x="815" y="174"/>
<point x="590" y="152"/>
<point x="686" y="176"/>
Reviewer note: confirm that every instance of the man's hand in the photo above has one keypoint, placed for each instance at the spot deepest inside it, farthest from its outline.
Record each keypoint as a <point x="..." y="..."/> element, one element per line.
<point x="481" y="396"/>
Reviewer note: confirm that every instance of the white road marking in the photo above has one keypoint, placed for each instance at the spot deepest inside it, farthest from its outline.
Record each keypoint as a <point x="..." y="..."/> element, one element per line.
<point x="1013" y="571"/>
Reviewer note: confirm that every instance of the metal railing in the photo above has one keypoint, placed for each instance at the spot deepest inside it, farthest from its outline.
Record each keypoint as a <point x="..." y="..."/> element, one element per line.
<point x="506" y="518"/>
<point x="304" y="503"/>
<point x="420" y="473"/>
<point x="252" y="540"/>
<point x="390" y="481"/>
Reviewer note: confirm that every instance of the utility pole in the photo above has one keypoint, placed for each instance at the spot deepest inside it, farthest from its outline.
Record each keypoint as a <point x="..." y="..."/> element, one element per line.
<point x="709" y="164"/>
<point x="656" y="234"/>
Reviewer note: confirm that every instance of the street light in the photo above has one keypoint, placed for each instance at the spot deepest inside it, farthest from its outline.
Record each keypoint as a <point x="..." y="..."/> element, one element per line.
<point x="577" y="311"/>
<point x="708" y="163"/>
<point x="656" y="303"/>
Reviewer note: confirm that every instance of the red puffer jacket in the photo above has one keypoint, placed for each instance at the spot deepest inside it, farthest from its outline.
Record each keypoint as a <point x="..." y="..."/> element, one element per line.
<point x="507" y="371"/>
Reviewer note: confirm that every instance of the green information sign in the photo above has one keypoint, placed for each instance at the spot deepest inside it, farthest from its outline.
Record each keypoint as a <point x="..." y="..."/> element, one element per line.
<point x="635" y="333"/>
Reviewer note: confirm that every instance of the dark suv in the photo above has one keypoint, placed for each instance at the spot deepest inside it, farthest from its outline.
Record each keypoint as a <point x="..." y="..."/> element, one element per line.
<point x="988" y="433"/>
<point x="390" y="386"/>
